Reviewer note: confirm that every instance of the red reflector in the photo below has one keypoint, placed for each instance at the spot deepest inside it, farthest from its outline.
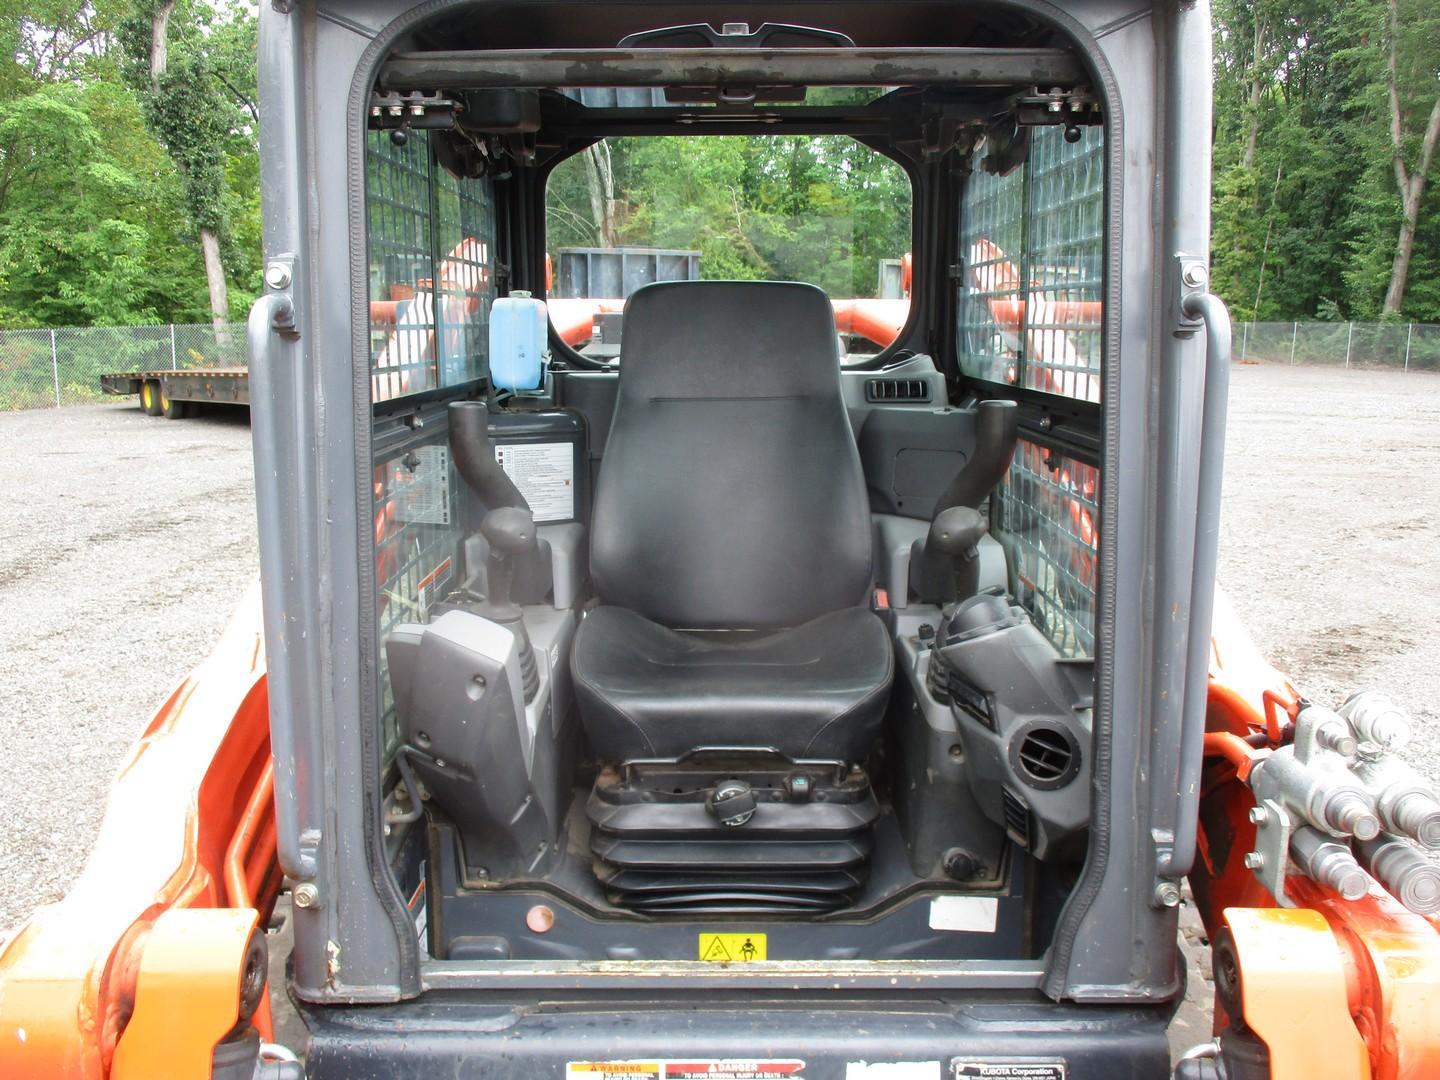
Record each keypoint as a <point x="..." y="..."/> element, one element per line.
<point x="882" y="599"/>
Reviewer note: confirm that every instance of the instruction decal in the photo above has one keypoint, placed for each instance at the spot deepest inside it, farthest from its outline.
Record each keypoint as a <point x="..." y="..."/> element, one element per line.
<point x="731" y="948"/>
<point x="1008" y="1068"/>
<point x="613" y="1070"/>
<point x="545" y="475"/>
<point x="431" y="586"/>
<point x="419" y="485"/>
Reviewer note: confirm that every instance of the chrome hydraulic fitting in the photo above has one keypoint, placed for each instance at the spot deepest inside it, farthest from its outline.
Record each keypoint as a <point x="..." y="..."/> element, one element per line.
<point x="1408" y="875"/>
<point x="1329" y="862"/>
<point x="1404" y="801"/>
<point x="1377" y="719"/>
<point x="1311" y="779"/>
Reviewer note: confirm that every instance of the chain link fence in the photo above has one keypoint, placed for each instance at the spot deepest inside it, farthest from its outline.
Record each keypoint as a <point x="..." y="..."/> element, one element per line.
<point x="1397" y="346"/>
<point x="43" y="369"/>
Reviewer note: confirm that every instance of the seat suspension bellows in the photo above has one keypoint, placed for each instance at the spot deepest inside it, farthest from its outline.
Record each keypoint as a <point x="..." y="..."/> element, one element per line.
<point x="707" y="834"/>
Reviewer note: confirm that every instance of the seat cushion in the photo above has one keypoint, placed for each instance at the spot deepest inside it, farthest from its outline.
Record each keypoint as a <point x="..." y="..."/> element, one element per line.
<point x="817" y="690"/>
<point x="730" y="496"/>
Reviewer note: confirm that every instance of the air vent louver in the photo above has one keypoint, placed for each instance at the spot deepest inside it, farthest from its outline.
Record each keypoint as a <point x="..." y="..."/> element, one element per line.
<point x="1046" y="757"/>
<point x="892" y="391"/>
<point x="1017" y="818"/>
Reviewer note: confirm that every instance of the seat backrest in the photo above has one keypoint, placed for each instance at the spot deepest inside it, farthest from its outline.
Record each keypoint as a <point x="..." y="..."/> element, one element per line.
<point x="731" y="494"/>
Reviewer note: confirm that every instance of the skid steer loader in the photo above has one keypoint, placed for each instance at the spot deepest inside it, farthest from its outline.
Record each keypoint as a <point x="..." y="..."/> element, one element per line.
<point x="699" y="693"/>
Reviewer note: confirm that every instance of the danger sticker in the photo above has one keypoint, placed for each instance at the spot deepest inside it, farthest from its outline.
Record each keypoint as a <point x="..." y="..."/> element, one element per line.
<point x="731" y="948"/>
<point x="734" y="1070"/>
<point x="1016" y="1068"/>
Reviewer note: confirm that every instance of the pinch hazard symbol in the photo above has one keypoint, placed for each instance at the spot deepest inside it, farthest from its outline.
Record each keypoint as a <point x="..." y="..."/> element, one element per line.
<point x="731" y="948"/>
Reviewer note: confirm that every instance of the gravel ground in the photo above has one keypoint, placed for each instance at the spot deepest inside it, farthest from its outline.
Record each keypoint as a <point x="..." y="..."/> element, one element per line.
<point x="131" y="538"/>
<point x="127" y="542"/>
<point x="1330" y="533"/>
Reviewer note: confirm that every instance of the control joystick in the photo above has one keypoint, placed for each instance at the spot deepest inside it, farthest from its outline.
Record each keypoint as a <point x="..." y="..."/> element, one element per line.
<point x="510" y="533"/>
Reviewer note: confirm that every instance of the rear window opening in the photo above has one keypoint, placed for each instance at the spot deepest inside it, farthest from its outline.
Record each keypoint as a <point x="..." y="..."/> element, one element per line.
<point x="944" y="816"/>
<point x="821" y="209"/>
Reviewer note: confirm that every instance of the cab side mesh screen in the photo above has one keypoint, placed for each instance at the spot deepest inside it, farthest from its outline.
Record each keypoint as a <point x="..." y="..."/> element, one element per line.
<point x="1047" y="515"/>
<point x="1032" y="241"/>
<point x="432" y="251"/>
<point x="431" y="254"/>
<point x="1029" y="315"/>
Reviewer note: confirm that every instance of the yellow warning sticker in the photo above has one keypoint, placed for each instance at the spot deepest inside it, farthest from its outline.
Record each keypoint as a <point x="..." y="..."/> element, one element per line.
<point x="613" y="1070"/>
<point x="732" y="948"/>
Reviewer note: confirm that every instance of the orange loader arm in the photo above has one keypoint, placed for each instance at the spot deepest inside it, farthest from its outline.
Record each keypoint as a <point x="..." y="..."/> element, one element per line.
<point x="1340" y="989"/>
<point x="141" y="969"/>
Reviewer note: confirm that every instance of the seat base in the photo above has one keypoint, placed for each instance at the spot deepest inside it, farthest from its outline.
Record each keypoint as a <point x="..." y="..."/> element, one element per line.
<point x="818" y="690"/>
<point x="665" y="841"/>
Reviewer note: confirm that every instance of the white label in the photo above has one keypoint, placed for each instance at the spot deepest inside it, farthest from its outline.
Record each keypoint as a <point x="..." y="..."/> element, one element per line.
<point x="1008" y="1068"/>
<point x="545" y="475"/>
<point x="420" y="485"/>
<point x="892" y="1070"/>
<point x="975" y="914"/>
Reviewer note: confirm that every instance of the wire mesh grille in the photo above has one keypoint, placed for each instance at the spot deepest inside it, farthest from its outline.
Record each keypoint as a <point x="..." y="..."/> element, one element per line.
<point x="432" y="250"/>
<point x="432" y="243"/>
<point x="416" y="542"/>
<point x="1047" y="516"/>
<point x="1029" y="305"/>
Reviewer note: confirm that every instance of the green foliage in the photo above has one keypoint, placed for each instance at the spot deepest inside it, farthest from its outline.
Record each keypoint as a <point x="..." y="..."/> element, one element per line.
<point x="821" y="209"/>
<point x="97" y="221"/>
<point x="1318" y="207"/>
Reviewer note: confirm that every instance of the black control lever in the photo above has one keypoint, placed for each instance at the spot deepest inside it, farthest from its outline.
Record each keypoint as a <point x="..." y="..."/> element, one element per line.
<point x="997" y="427"/>
<point x="510" y="532"/>
<point x="507" y="525"/>
<point x="945" y="566"/>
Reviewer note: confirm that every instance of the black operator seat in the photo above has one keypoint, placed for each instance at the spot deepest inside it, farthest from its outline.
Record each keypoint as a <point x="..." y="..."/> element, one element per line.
<point x="730" y="542"/>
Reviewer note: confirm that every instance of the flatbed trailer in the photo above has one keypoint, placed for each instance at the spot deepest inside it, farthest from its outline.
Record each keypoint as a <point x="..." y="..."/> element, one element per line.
<point x="176" y="394"/>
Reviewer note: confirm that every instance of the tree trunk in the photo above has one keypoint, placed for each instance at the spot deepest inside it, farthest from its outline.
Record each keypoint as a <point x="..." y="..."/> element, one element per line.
<point x="601" y="176"/>
<point x="215" y="277"/>
<point x="159" y="42"/>
<point x="1257" y="90"/>
<point x="1409" y="182"/>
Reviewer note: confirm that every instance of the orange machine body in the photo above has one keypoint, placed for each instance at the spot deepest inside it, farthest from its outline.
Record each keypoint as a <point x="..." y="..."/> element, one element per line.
<point x="190" y="825"/>
<point x="1345" y="990"/>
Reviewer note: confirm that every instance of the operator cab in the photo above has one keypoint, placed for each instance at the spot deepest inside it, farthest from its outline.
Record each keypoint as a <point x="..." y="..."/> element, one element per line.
<point x="713" y="602"/>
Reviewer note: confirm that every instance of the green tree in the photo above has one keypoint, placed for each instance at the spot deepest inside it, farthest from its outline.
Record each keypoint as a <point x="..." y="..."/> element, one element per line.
<point x="188" y="65"/>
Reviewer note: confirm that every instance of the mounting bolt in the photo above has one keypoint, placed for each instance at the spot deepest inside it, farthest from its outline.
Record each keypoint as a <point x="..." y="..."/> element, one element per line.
<point x="1259" y="815"/>
<point x="1254" y="860"/>
<point x="1167" y="895"/>
<point x="1195" y="275"/>
<point x="277" y="275"/>
<point x="306" y="895"/>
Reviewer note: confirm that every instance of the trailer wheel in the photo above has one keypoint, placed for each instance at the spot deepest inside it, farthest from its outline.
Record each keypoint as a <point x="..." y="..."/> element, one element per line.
<point x="173" y="410"/>
<point x="150" y="397"/>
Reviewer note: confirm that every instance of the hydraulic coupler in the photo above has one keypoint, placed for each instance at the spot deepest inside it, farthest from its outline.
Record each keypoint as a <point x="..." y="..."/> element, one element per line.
<point x="1338" y="782"/>
<point x="1408" y="876"/>
<point x="1310" y="778"/>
